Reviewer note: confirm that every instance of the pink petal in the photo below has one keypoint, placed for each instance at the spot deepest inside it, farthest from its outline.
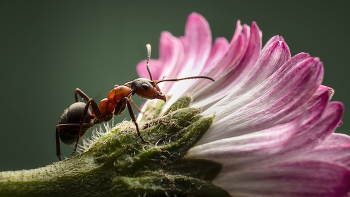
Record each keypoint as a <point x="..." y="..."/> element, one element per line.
<point x="274" y="58"/>
<point x="290" y="179"/>
<point x="302" y="142"/>
<point x="230" y="60"/>
<point x="330" y="90"/>
<point x="224" y="84"/>
<point x="315" y="108"/>
<point x="251" y="149"/>
<point x="245" y="148"/>
<point x="279" y="81"/>
<point x="171" y="54"/>
<point x="336" y="148"/>
<point x="233" y="55"/>
<point x="336" y="139"/>
<point x="251" y="55"/>
<point x="197" y="46"/>
<point x="268" y="64"/>
<point x="272" y="40"/>
<point x="232" y="65"/>
<point x="340" y="123"/>
<point x="218" y="50"/>
<point x="283" y="91"/>
<point x="262" y="107"/>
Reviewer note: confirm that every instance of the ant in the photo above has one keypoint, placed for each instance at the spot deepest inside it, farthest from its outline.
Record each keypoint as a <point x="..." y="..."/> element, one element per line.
<point x="78" y="118"/>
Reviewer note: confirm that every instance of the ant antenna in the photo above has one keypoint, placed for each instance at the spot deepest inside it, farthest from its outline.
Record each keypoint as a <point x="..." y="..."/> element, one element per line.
<point x="148" y="57"/>
<point x="180" y="79"/>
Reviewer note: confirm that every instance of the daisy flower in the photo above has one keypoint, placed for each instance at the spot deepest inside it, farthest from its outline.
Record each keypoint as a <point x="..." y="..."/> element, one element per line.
<point x="264" y="128"/>
<point x="273" y="120"/>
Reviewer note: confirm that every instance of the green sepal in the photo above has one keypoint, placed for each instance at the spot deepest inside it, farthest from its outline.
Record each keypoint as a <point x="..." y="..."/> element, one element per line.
<point x="180" y="103"/>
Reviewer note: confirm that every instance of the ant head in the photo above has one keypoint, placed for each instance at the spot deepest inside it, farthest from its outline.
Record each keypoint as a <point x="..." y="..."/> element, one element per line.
<point x="147" y="88"/>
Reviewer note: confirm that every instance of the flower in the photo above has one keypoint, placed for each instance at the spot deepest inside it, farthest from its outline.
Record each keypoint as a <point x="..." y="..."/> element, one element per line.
<point x="274" y="122"/>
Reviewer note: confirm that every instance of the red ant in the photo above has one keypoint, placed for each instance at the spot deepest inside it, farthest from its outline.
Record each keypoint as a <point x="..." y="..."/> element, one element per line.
<point x="77" y="119"/>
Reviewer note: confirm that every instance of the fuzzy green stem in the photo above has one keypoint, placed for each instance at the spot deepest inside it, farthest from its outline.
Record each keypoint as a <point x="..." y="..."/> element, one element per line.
<point x="117" y="163"/>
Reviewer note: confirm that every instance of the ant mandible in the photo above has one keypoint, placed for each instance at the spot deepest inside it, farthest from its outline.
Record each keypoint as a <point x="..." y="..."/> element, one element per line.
<point x="77" y="119"/>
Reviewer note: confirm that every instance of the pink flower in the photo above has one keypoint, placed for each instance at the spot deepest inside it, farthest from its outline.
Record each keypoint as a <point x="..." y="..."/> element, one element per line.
<point x="274" y="122"/>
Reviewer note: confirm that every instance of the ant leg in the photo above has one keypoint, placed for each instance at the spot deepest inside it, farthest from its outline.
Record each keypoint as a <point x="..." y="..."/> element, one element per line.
<point x="136" y="107"/>
<point x="82" y="94"/>
<point x="81" y="123"/>
<point x="95" y="109"/>
<point x="134" y="120"/>
<point x="58" y="148"/>
<point x="120" y="107"/>
<point x="93" y="104"/>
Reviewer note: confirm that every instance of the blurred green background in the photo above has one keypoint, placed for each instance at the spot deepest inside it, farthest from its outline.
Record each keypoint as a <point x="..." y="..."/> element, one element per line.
<point x="49" y="48"/>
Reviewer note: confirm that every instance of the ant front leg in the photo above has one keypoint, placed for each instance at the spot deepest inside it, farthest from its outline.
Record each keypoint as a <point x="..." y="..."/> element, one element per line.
<point x="134" y="120"/>
<point x="136" y="107"/>
<point x="122" y="104"/>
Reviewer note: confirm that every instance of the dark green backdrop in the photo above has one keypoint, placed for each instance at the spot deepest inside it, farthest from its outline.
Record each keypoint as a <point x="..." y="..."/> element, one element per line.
<point x="48" y="48"/>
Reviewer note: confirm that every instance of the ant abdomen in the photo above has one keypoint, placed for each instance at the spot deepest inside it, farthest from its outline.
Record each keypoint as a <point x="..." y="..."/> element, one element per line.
<point x="71" y="117"/>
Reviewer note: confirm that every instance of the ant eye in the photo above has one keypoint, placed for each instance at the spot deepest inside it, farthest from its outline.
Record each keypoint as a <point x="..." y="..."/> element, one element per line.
<point x="145" y="86"/>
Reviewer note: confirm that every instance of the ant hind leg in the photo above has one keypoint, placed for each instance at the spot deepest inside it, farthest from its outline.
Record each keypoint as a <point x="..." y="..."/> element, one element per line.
<point x="81" y="123"/>
<point x="82" y="94"/>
